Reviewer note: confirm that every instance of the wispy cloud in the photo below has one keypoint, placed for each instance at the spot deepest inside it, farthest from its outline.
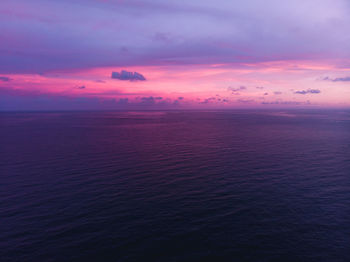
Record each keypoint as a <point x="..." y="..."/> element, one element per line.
<point x="285" y="103"/>
<point x="245" y="101"/>
<point x="308" y="91"/>
<point x="338" y="79"/>
<point x="235" y="90"/>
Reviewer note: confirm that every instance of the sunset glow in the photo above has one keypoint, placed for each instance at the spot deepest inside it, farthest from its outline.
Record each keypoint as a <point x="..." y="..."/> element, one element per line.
<point x="206" y="55"/>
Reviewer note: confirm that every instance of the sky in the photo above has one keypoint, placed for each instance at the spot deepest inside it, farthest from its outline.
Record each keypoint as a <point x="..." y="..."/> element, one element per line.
<point x="174" y="54"/>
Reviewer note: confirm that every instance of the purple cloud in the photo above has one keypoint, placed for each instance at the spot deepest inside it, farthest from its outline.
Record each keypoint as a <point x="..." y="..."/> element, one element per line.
<point x="338" y="79"/>
<point x="276" y="102"/>
<point x="45" y="37"/>
<point x="308" y="91"/>
<point x="208" y="100"/>
<point x="235" y="91"/>
<point x="245" y="101"/>
<point x="5" y="79"/>
<point x="18" y="100"/>
<point x="130" y="76"/>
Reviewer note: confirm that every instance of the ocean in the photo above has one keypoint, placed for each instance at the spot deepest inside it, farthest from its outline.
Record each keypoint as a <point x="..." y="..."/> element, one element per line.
<point x="240" y="185"/>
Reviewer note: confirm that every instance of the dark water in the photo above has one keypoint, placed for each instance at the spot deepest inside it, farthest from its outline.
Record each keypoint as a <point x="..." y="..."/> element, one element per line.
<point x="175" y="186"/>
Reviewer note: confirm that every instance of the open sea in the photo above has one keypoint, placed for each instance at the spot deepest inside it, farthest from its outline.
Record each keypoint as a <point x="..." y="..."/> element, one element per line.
<point x="175" y="186"/>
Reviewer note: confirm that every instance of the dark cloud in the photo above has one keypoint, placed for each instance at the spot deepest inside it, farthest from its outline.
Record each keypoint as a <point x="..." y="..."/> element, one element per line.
<point x="80" y="87"/>
<point x="266" y="94"/>
<point x="130" y="76"/>
<point x="213" y="100"/>
<point x="208" y="100"/>
<point x="284" y="103"/>
<point x="123" y="101"/>
<point x="161" y="37"/>
<point x="338" y="79"/>
<point x="270" y="103"/>
<point x="149" y="100"/>
<point x="5" y="78"/>
<point x="309" y="91"/>
<point x="277" y="93"/>
<point x="245" y="101"/>
<point x="180" y="98"/>
<point x="18" y="100"/>
<point x="235" y="91"/>
<point x="124" y="49"/>
<point x="176" y="103"/>
<point x="260" y="87"/>
<point x="153" y="101"/>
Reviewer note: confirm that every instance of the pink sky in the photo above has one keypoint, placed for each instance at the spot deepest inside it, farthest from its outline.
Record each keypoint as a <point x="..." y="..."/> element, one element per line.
<point x="202" y="54"/>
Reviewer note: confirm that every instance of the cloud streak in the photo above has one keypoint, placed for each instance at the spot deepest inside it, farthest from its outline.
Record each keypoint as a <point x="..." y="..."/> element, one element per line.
<point x="338" y="79"/>
<point x="308" y="91"/>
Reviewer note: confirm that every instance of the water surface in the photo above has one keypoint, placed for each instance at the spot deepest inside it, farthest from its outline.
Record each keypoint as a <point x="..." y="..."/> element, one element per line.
<point x="175" y="186"/>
